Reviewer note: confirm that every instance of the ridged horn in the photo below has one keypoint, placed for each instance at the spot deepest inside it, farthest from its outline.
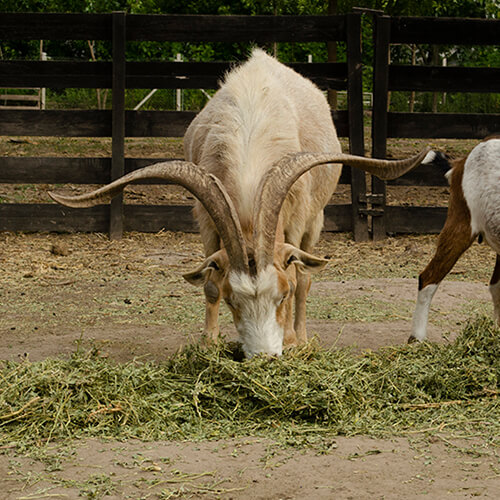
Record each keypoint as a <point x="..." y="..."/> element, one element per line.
<point x="204" y="186"/>
<point x="275" y="185"/>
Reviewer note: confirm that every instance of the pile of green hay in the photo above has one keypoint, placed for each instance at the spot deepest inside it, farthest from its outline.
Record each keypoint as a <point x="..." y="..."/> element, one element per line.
<point x="306" y="395"/>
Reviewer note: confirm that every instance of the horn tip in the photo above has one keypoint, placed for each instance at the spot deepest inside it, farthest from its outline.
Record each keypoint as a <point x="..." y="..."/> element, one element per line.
<point x="67" y="201"/>
<point x="56" y="197"/>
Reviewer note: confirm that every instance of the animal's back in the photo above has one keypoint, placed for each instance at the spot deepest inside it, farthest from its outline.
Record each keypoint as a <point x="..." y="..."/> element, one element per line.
<point x="481" y="186"/>
<point x="263" y="111"/>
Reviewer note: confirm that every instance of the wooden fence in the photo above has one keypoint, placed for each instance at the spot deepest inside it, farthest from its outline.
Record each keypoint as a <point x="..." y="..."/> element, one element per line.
<point x="119" y="123"/>
<point x="389" y="77"/>
<point x="120" y="74"/>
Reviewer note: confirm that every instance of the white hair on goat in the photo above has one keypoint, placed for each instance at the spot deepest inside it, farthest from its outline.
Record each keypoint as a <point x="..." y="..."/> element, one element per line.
<point x="256" y="298"/>
<point x="473" y="210"/>
<point x="481" y="187"/>
<point x="429" y="157"/>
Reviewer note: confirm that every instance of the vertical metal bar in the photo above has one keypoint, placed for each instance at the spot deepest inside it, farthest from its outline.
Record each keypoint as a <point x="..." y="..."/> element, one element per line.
<point x="379" y="117"/>
<point x="356" y="132"/>
<point x="43" y="91"/>
<point x="118" y="122"/>
<point x="178" y="92"/>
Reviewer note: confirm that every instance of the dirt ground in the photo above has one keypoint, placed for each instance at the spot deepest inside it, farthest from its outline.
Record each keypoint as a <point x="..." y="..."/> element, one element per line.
<point x="354" y="468"/>
<point x="128" y="299"/>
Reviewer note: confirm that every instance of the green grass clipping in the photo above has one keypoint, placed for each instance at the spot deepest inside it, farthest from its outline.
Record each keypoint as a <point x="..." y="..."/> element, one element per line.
<point x="305" y="396"/>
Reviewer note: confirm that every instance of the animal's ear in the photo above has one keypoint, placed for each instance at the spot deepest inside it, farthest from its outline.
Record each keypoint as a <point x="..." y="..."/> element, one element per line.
<point x="217" y="262"/>
<point x="448" y="176"/>
<point x="303" y="260"/>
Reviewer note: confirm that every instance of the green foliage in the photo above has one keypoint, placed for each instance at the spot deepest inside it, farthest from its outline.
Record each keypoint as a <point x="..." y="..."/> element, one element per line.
<point x="471" y="103"/>
<point x="449" y="8"/>
<point x="72" y="99"/>
<point x="447" y="102"/>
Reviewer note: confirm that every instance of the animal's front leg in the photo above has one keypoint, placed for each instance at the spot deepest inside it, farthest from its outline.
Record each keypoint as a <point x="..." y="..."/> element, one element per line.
<point x="212" y="304"/>
<point x="495" y="290"/>
<point x="303" y="286"/>
<point x="290" y="338"/>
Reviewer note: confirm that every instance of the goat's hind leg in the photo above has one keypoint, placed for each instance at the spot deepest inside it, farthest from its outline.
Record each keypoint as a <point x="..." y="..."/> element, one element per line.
<point x="454" y="240"/>
<point x="495" y="290"/>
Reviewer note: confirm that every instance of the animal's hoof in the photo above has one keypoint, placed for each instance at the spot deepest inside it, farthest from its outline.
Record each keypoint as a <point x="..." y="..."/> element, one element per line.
<point x="208" y="340"/>
<point x="412" y="339"/>
<point x="290" y="341"/>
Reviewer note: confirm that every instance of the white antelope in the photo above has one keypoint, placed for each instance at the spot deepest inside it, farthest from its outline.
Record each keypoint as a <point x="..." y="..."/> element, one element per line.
<point x="473" y="210"/>
<point x="249" y="155"/>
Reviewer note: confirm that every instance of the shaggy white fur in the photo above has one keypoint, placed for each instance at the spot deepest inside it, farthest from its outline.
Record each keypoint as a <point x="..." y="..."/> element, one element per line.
<point x="257" y="299"/>
<point x="263" y="111"/>
<point x="481" y="186"/>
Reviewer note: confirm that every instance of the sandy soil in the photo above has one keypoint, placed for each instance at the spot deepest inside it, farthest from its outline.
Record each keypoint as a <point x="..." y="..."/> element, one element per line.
<point x="128" y="299"/>
<point x="353" y="468"/>
<point x="117" y="338"/>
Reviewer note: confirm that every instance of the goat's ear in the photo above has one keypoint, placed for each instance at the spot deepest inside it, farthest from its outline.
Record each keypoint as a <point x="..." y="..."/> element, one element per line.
<point x="198" y="276"/>
<point x="448" y="176"/>
<point x="303" y="260"/>
<point x="217" y="262"/>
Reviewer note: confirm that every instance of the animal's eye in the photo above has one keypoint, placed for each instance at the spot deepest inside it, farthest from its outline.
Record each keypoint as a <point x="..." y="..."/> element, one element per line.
<point x="282" y="298"/>
<point x="213" y="265"/>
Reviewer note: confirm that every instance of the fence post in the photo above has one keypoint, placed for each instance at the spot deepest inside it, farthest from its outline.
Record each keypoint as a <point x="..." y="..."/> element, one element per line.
<point x="118" y="122"/>
<point x="356" y="132"/>
<point x="379" y="119"/>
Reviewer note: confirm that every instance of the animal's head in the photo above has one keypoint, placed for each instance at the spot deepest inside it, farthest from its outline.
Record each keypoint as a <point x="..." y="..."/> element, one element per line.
<point x="258" y="297"/>
<point x="256" y="284"/>
<point x="440" y="161"/>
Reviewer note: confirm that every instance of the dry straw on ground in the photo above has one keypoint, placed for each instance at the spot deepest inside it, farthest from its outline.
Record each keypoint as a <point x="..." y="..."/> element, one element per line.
<point x="306" y="397"/>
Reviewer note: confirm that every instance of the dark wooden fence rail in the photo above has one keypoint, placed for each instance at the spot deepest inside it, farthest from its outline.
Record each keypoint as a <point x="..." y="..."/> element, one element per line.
<point x="120" y="123"/>
<point x="388" y="77"/>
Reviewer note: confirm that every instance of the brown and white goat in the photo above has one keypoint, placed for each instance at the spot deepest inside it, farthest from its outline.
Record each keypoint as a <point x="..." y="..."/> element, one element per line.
<point x="473" y="210"/>
<point x="249" y="155"/>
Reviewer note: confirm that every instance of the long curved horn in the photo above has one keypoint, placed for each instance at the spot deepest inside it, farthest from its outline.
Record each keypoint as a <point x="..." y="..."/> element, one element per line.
<point x="206" y="187"/>
<point x="275" y="185"/>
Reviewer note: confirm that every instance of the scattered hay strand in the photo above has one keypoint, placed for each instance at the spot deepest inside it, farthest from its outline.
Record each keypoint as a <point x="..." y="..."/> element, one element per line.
<point x="301" y="398"/>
